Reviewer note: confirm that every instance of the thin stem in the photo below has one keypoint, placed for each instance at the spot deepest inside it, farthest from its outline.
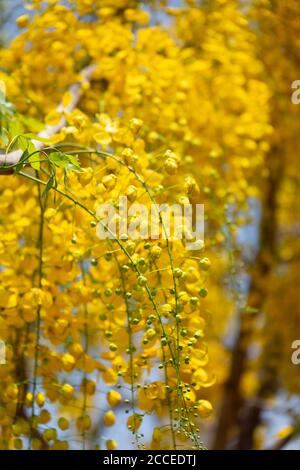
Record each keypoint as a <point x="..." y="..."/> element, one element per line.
<point x="40" y="244"/>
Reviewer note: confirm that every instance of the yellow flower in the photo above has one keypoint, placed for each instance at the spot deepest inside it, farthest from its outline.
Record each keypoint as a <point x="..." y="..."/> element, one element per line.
<point x="12" y="391"/>
<point x="113" y="398"/>
<point x="68" y="391"/>
<point x="22" y="21"/>
<point x="171" y="166"/>
<point x="68" y="362"/>
<point x="40" y="399"/>
<point x="8" y="299"/>
<point x="110" y="376"/>
<point x="44" y="417"/>
<point x="204" y="408"/>
<point x="134" y="422"/>
<point x="53" y="118"/>
<point x="102" y="138"/>
<point x="285" y="432"/>
<point x="50" y="434"/>
<point x="135" y="124"/>
<point x="111" y="444"/>
<point x="63" y="424"/>
<point x="109" y="418"/>
<point x="83" y="423"/>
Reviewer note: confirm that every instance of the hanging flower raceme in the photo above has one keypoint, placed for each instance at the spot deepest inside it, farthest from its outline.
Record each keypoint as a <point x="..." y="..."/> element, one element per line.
<point x="87" y="316"/>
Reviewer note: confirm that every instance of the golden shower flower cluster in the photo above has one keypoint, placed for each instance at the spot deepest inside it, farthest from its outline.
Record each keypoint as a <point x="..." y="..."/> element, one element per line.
<point x="109" y="325"/>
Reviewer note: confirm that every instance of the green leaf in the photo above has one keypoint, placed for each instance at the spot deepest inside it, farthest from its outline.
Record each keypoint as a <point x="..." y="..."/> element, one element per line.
<point x="51" y="183"/>
<point x="26" y="144"/>
<point x="63" y="160"/>
<point x="34" y="161"/>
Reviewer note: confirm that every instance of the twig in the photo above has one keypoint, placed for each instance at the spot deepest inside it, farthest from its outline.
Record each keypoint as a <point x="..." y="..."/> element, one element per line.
<point x="282" y="442"/>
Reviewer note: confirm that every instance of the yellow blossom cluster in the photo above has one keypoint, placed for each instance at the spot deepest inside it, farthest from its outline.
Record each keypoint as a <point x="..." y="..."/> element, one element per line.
<point x="159" y="122"/>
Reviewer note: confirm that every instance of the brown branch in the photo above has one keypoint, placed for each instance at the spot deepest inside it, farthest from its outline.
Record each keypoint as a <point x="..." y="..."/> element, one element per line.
<point x="228" y="416"/>
<point x="282" y="442"/>
<point x="235" y="417"/>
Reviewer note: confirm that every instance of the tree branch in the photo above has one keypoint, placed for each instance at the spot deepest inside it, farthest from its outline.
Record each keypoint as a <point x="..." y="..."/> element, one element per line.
<point x="282" y="442"/>
<point x="238" y="419"/>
